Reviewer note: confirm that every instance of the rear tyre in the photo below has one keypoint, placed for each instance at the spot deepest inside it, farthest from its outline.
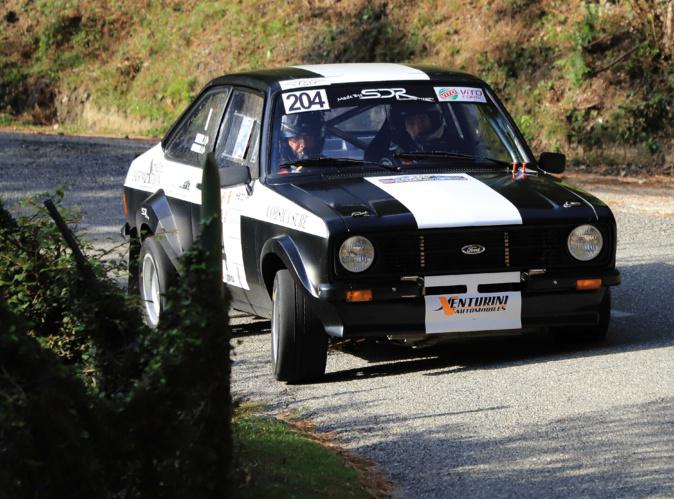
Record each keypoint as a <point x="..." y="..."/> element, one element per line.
<point x="156" y="274"/>
<point x="591" y="333"/>
<point x="299" y="345"/>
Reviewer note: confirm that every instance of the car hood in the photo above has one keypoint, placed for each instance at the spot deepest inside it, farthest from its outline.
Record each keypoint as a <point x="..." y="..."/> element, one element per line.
<point x="431" y="201"/>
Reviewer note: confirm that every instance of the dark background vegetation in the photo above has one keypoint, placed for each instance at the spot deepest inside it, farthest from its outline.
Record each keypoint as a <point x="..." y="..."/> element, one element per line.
<point x="593" y="79"/>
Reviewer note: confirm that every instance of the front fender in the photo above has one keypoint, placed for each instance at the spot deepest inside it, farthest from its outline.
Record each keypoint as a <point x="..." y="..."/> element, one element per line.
<point x="285" y="249"/>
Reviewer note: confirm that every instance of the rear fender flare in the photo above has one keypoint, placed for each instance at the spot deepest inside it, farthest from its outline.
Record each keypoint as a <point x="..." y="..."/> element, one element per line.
<point x="155" y="213"/>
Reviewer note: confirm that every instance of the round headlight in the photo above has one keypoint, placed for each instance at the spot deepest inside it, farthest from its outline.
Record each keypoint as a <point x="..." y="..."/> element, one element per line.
<point x="585" y="242"/>
<point x="356" y="254"/>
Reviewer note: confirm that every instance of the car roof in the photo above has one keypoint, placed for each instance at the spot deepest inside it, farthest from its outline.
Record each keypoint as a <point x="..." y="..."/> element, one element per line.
<point x="328" y="74"/>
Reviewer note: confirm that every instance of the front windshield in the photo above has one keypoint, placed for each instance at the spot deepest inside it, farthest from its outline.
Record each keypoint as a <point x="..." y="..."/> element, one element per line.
<point x="406" y="125"/>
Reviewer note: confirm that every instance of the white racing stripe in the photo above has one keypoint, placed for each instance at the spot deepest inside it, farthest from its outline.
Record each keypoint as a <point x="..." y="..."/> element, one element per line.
<point x="353" y="73"/>
<point x="449" y="200"/>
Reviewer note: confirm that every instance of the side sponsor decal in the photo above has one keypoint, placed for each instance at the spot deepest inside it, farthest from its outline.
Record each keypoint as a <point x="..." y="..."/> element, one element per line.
<point x="150" y="172"/>
<point x="234" y="200"/>
<point x="460" y="94"/>
<point x="305" y="100"/>
<point x="145" y="171"/>
<point x="269" y="206"/>
<point x="457" y="200"/>
<point x="473" y="311"/>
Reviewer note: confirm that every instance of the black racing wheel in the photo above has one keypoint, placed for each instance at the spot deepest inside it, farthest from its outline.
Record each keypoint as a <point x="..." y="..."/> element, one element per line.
<point x="299" y="342"/>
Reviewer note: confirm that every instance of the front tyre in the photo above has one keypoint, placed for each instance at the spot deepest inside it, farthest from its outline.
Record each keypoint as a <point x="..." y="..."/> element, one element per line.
<point x="299" y="344"/>
<point x="156" y="274"/>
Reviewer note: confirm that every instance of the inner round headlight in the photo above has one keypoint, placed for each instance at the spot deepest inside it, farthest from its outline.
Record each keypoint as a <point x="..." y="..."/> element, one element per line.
<point x="585" y="242"/>
<point x="356" y="254"/>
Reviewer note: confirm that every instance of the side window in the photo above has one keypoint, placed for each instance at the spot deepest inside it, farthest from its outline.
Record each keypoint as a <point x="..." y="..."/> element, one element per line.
<point x="239" y="140"/>
<point x="197" y="133"/>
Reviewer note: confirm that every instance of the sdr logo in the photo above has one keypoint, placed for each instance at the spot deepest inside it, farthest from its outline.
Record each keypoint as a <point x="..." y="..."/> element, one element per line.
<point x="389" y="93"/>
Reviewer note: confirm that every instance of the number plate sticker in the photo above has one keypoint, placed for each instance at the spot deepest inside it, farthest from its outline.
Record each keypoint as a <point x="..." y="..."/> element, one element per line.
<point x="305" y="100"/>
<point x="473" y="310"/>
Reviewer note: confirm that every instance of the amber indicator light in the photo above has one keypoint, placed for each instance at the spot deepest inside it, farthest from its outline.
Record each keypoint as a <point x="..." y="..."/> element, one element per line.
<point x="124" y="206"/>
<point x="359" y="295"/>
<point x="585" y="284"/>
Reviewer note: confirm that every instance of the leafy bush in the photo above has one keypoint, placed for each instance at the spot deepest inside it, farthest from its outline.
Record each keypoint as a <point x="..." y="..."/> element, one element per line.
<point x="90" y="325"/>
<point x="153" y="419"/>
<point x="52" y="433"/>
<point x="178" y="413"/>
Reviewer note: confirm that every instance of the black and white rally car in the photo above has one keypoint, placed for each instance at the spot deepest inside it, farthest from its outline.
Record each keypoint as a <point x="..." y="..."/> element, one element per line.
<point x="373" y="200"/>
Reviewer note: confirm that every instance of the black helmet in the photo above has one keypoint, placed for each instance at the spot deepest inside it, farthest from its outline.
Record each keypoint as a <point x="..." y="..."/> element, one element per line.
<point x="310" y="123"/>
<point x="399" y="111"/>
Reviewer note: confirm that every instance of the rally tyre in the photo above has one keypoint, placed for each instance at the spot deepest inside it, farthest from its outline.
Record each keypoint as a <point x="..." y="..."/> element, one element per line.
<point x="299" y="342"/>
<point x="156" y="274"/>
<point x="592" y="333"/>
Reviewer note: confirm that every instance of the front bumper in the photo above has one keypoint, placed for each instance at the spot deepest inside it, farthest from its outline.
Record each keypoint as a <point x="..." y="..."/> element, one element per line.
<point x="398" y="306"/>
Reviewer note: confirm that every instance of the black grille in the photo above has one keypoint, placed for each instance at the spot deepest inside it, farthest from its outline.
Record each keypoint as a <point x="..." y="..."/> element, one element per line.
<point x="438" y="251"/>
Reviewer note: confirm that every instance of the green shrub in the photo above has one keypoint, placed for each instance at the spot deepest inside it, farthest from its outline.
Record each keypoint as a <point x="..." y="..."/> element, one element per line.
<point x="154" y="418"/>
<point x="54" y="440"/>
<point x="90" y="325"/>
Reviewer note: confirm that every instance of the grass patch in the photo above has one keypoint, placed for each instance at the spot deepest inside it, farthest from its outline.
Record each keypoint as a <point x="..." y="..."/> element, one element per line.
<point x="275" y="460"/>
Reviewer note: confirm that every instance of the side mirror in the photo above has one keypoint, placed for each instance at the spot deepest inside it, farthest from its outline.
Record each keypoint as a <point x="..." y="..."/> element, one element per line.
<point x="552" y="162"/>
<point x="234" y="175"/>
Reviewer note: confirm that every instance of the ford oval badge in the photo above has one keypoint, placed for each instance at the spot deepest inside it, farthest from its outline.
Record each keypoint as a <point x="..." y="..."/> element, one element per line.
<point x="473" y="249"/>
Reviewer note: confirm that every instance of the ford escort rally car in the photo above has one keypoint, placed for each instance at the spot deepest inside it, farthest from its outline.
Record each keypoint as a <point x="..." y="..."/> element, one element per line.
<point x="372" y="200"/>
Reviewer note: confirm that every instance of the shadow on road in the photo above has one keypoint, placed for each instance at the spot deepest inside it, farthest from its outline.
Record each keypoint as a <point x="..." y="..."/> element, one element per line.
<point x="627" y="451"/>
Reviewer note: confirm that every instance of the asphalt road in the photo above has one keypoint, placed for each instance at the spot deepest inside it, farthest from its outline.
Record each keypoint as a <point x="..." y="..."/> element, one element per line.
<point x="511" y="417"/>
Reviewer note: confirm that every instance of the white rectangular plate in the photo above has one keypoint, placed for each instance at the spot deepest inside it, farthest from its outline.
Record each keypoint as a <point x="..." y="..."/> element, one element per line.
<point x="473" y="311"/>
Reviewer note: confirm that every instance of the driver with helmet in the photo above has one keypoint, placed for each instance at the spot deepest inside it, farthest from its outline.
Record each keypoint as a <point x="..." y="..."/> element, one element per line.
<point x="302" y="136"/>
<point x="409" y="127"/>
<point x="417" y="127"/>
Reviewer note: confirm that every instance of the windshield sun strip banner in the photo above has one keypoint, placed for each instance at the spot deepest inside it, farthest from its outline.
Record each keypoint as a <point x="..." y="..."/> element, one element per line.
<point x="443" y="201"/>
<point x="301" y="99"/>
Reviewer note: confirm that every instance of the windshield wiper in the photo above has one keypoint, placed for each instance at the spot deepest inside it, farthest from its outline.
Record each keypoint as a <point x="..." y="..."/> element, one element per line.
<point x="327" y="161"/>
<point x="448" y="155"/>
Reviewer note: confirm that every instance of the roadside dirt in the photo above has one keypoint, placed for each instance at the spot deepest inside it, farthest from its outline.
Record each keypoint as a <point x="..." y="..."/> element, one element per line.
<point x="647" y="195"/>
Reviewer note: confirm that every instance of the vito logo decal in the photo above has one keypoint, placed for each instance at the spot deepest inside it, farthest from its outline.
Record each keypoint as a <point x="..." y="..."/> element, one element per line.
<point x="472" y="305"/>
<point x="460" y="94"/>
